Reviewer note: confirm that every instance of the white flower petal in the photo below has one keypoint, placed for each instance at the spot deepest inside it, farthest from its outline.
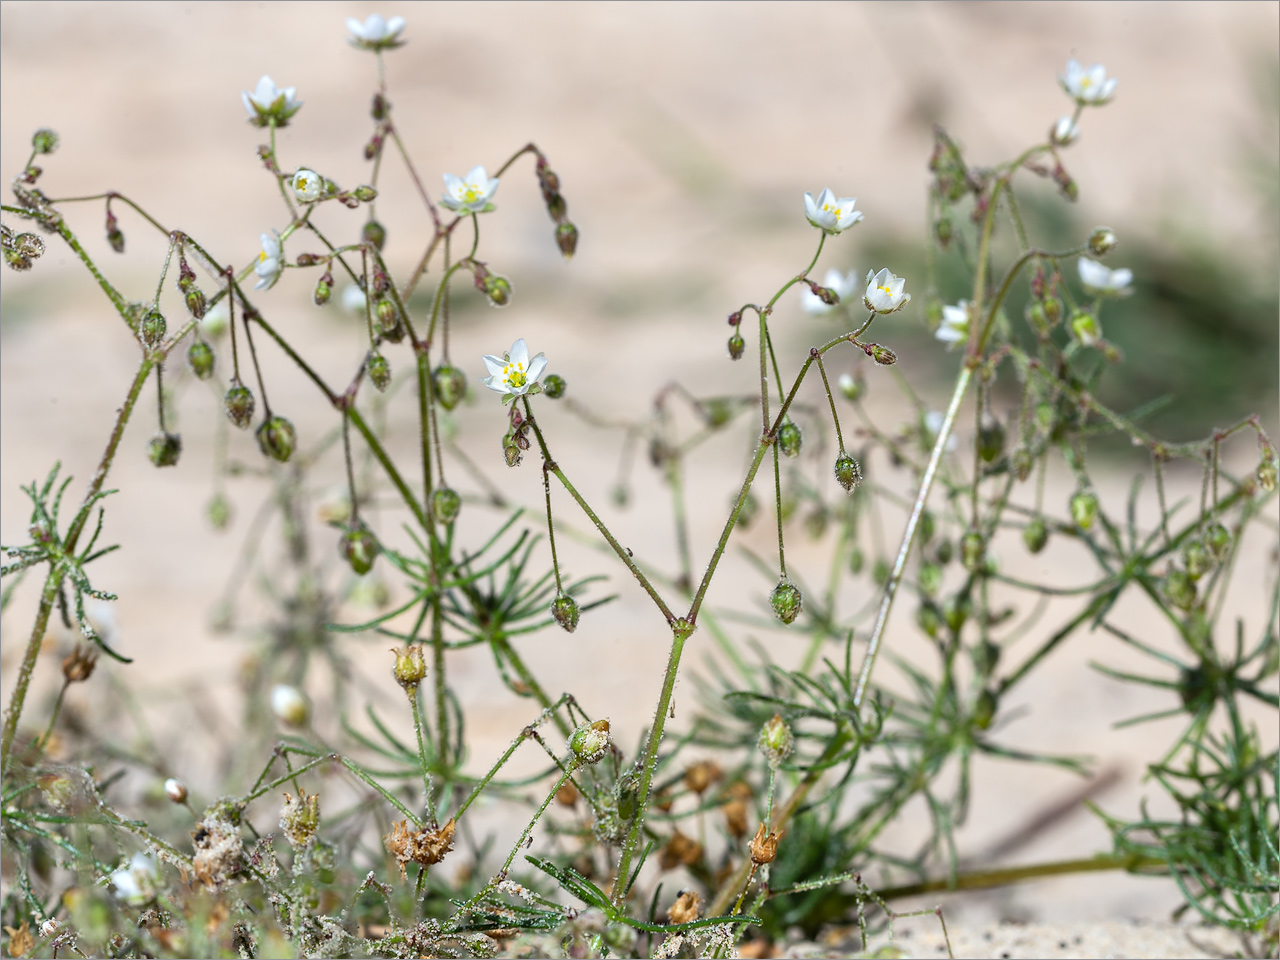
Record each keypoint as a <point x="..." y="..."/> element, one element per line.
<point x="536" y="366"/>
<point x="495" y="365"/>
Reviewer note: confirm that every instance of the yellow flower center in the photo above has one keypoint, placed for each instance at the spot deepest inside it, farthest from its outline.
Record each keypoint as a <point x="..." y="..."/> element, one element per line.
<point x="262" y="257"/>
<point x="885" y="290"/>
<point x="514" y="375"/>
<point x="470" y="193"/>
<point x="1085" y="83"/>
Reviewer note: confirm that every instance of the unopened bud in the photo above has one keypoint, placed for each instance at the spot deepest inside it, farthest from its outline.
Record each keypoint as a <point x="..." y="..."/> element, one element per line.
<point x="1052" y="311"/>
<point x="881" y="355"/>
<point x="379" y="370"/>
<point x="984" y="710"/>
<point x="152" y="327"/>
<point x="567" y="239"/>
<point x="388" y="316"/>
<point x="590" y="742"/>
<point x="553" y="386"/>
<point x="445" y="504"/>
<point x="1085" y="328"/>
<point x="164" y="449"/>
<point x="776" y="741"/>
<point x="367" y="194"/>
<point x="825" y="294"/>
<point x="851" y="386"/>
<point x="380" y="107"/>
<point x="786" y="601"/>
<point x="1035" y="534"/>
<point x="511" y="452"/>
<point x="930" y="578"/>
<point x="50" y="927"/>
<point x="359" y="547"/>
<point x="277" y="438"/>
<point x="196" y="303"/>
<point x="1084" y="507"/>
<point x="175" y="790"/>
<point x="44" y="140"/>
<point x="955" y="611"/>
<point x="1179" y="588"/>
<point x="498" y="290"/>
<point x="736" y="346"/>
<point x="973" y="549"/>
<point x="1102" y="241"/>
<point x="450" y="384"/>
<point x="942" y="229"/>
<point x="374" y="233"/>
<point x="848" y="473"/>
<point x="990" y="439"/>
<point x="1196" y="558"/>
<point x="200" y="359"/>
<point x="411" y="666"/>
<point x="1266" y="472"/>
<point x="289" y="705"/>
<point x="566" y="612"/>
<point x="1217" y="540"/>
<point x="790" y="439"/>
<point x="239" y="404"/>
<point x="324" y="289"/>
<point x="115" y="236"/>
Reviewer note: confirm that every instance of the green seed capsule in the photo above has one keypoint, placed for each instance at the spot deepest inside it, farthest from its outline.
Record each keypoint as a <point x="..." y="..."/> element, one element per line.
<point x="786" y="601"/>
<point x="973" y="550"/>
<point x="1180" y="589"/>
<point x="1035" y="535"/>
<point x="445" y="504"/>
<point x="566" y="612"/>
<point x="1084" y="507"/>
<point x="450" y="384"/>
<point x="790" y="439"/>
<point x="277" y="438"/>
<point x="359" y="547"/>
<point x="239" y="404"/>
<point x="200" y="359"/>
<point x="164" y="449"/>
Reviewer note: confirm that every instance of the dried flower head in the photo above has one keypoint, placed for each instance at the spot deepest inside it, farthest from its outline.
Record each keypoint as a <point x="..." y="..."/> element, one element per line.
<point x="422" y="846"/>
<point x="764" y="849"/>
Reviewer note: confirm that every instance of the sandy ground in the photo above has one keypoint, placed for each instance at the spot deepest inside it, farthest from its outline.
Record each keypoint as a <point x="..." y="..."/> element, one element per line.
<point x="684" y="136"/>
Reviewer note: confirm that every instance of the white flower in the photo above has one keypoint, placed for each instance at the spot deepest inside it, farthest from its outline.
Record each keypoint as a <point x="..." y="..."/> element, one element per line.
<point x="470" y="194"/>
<point x="830" y="214"/>
<point x="1065" y="131"/>
<point x="375" y="33"/>
<point x="214" y="322"/>
<point x="270" y="261"/>
<point x="307" y="185"/>
<point x="884" y="292"/>
<point x="289" y="705"/>
<point x="1088" y="87"/>
<point x="514" y="373"/>
<point x="268" y="102"/>
<point x="842" y="283"/>
<point x="1101" y="281"/>
<point x="955" y="324"/>
<point x="353" y="299"/>
<point x="135" y="882"/>
<point x="933" y="421"/>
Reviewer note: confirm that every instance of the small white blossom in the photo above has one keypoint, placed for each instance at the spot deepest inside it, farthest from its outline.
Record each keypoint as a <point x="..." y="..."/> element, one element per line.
<point x="829" y="214"/>
<point x="214" y="322"/>
<point x="471" y="194"/>
<point x="844" y="284"/>
<point x="1065" y="131"/>
<point x="933" y="421"/>
<point x="1089" y="87"/>
<point x="289" y="705"/>
<point x="514" y="372"/>
<point x="1103" y="281"/>
<point x="307" y="185"/>
<point x="885" y="292"/>
<point x="955" y="324"/>
<point x="353" y="299"/>
<point x="268" y="102"/>
<point x="135" y="882"/>
<point x="50" y="927"/>
<point x="375" y="33"/>
<point x="270" y="261"/>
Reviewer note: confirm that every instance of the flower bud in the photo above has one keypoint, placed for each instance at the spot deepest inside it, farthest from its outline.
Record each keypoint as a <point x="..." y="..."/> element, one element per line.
<point x="324" y="289"/>
<point x="44" y="140"/>
<point x="378" y="369"/>
<point x="115" y="236"/>
<point x="590" y="742"/>
<point x="786" y="601"/>
<point x="277" y="438"/>
<point x="289" y="705"/>
<point x="152" y="327"/>
<point x="200" y="359"/>
<point x="367" y="194"/>
<point x="450" y="384"/>
<point x="411" y="666"/>
<point x="164" y="449"/>
<point x="498" y="290"/>
<point x="1084" y="507"/>
<point x="881" y="355"/>
<point x="955" y="611"/>
<point x="825" y="294"/>
<point x="77" y="666"/>
<point x="1266" y="472"/>
<point x="567" y="239"/>
<point x="1035" y="534"/>
<point x="1022" y="463"/>
<point x="374" y="233"/>
<point x="930" y="578"/>
<point x="848" y="473"/>
<point x="929" y="618"/>
<point x="239" y="404"/>
<point x="379" y="108"/>
<point x="1217" y="540"/>
<point x="445" y="504"/>
<point x="990" y="439"/>
<point x="852" y="387"/>
<point x="511" y="451"/>
<point x="565" y="609"/>
<point x="175" y="790"/>
<point x="736" y="346"/>
<point x="196" y="302"/>
<point x="942" y="230"/>
<point x="776" y="741"/>
<point x="359" y="547"/>
<point x="973" y="549"/>
<point x="553" y="386"/>
<point x="1102" y="241"/>
<point x="1196" y="558"/>
<point x="1179" y="588"/>
<point x="1052" y="311"/>
<point x="388" y="316"/>
<point x="556" y="206"/>
<point x="790" y="439"/>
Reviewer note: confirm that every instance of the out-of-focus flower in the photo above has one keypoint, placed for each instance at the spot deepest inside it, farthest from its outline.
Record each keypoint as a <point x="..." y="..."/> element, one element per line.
<point x="270" y="261"/>
<point x="1089" y="87"/>
<point x="1065" y="131"/>
<point x="885" y="292"/>
<point x="135" y="882"/>
<point x="353" y="299"/>
<point x="307" y="185"/>
<point x="214" y="322"/>
<point x="471" y="194"/>
<point x="514" y="372"/>
<point x="375" y="33"/>
<point x="1103" y="281"/>
<point x="955" y="324"/>
<point x="289" y="704"/>
<point x="933" y="421"/>
<point x="843" y="284"/>
<point x="269" y="103"/>
<point x="829" y="214"/>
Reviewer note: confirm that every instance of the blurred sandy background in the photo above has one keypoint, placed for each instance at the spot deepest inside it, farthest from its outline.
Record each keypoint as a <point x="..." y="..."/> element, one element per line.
<point x="684" y="136"/>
